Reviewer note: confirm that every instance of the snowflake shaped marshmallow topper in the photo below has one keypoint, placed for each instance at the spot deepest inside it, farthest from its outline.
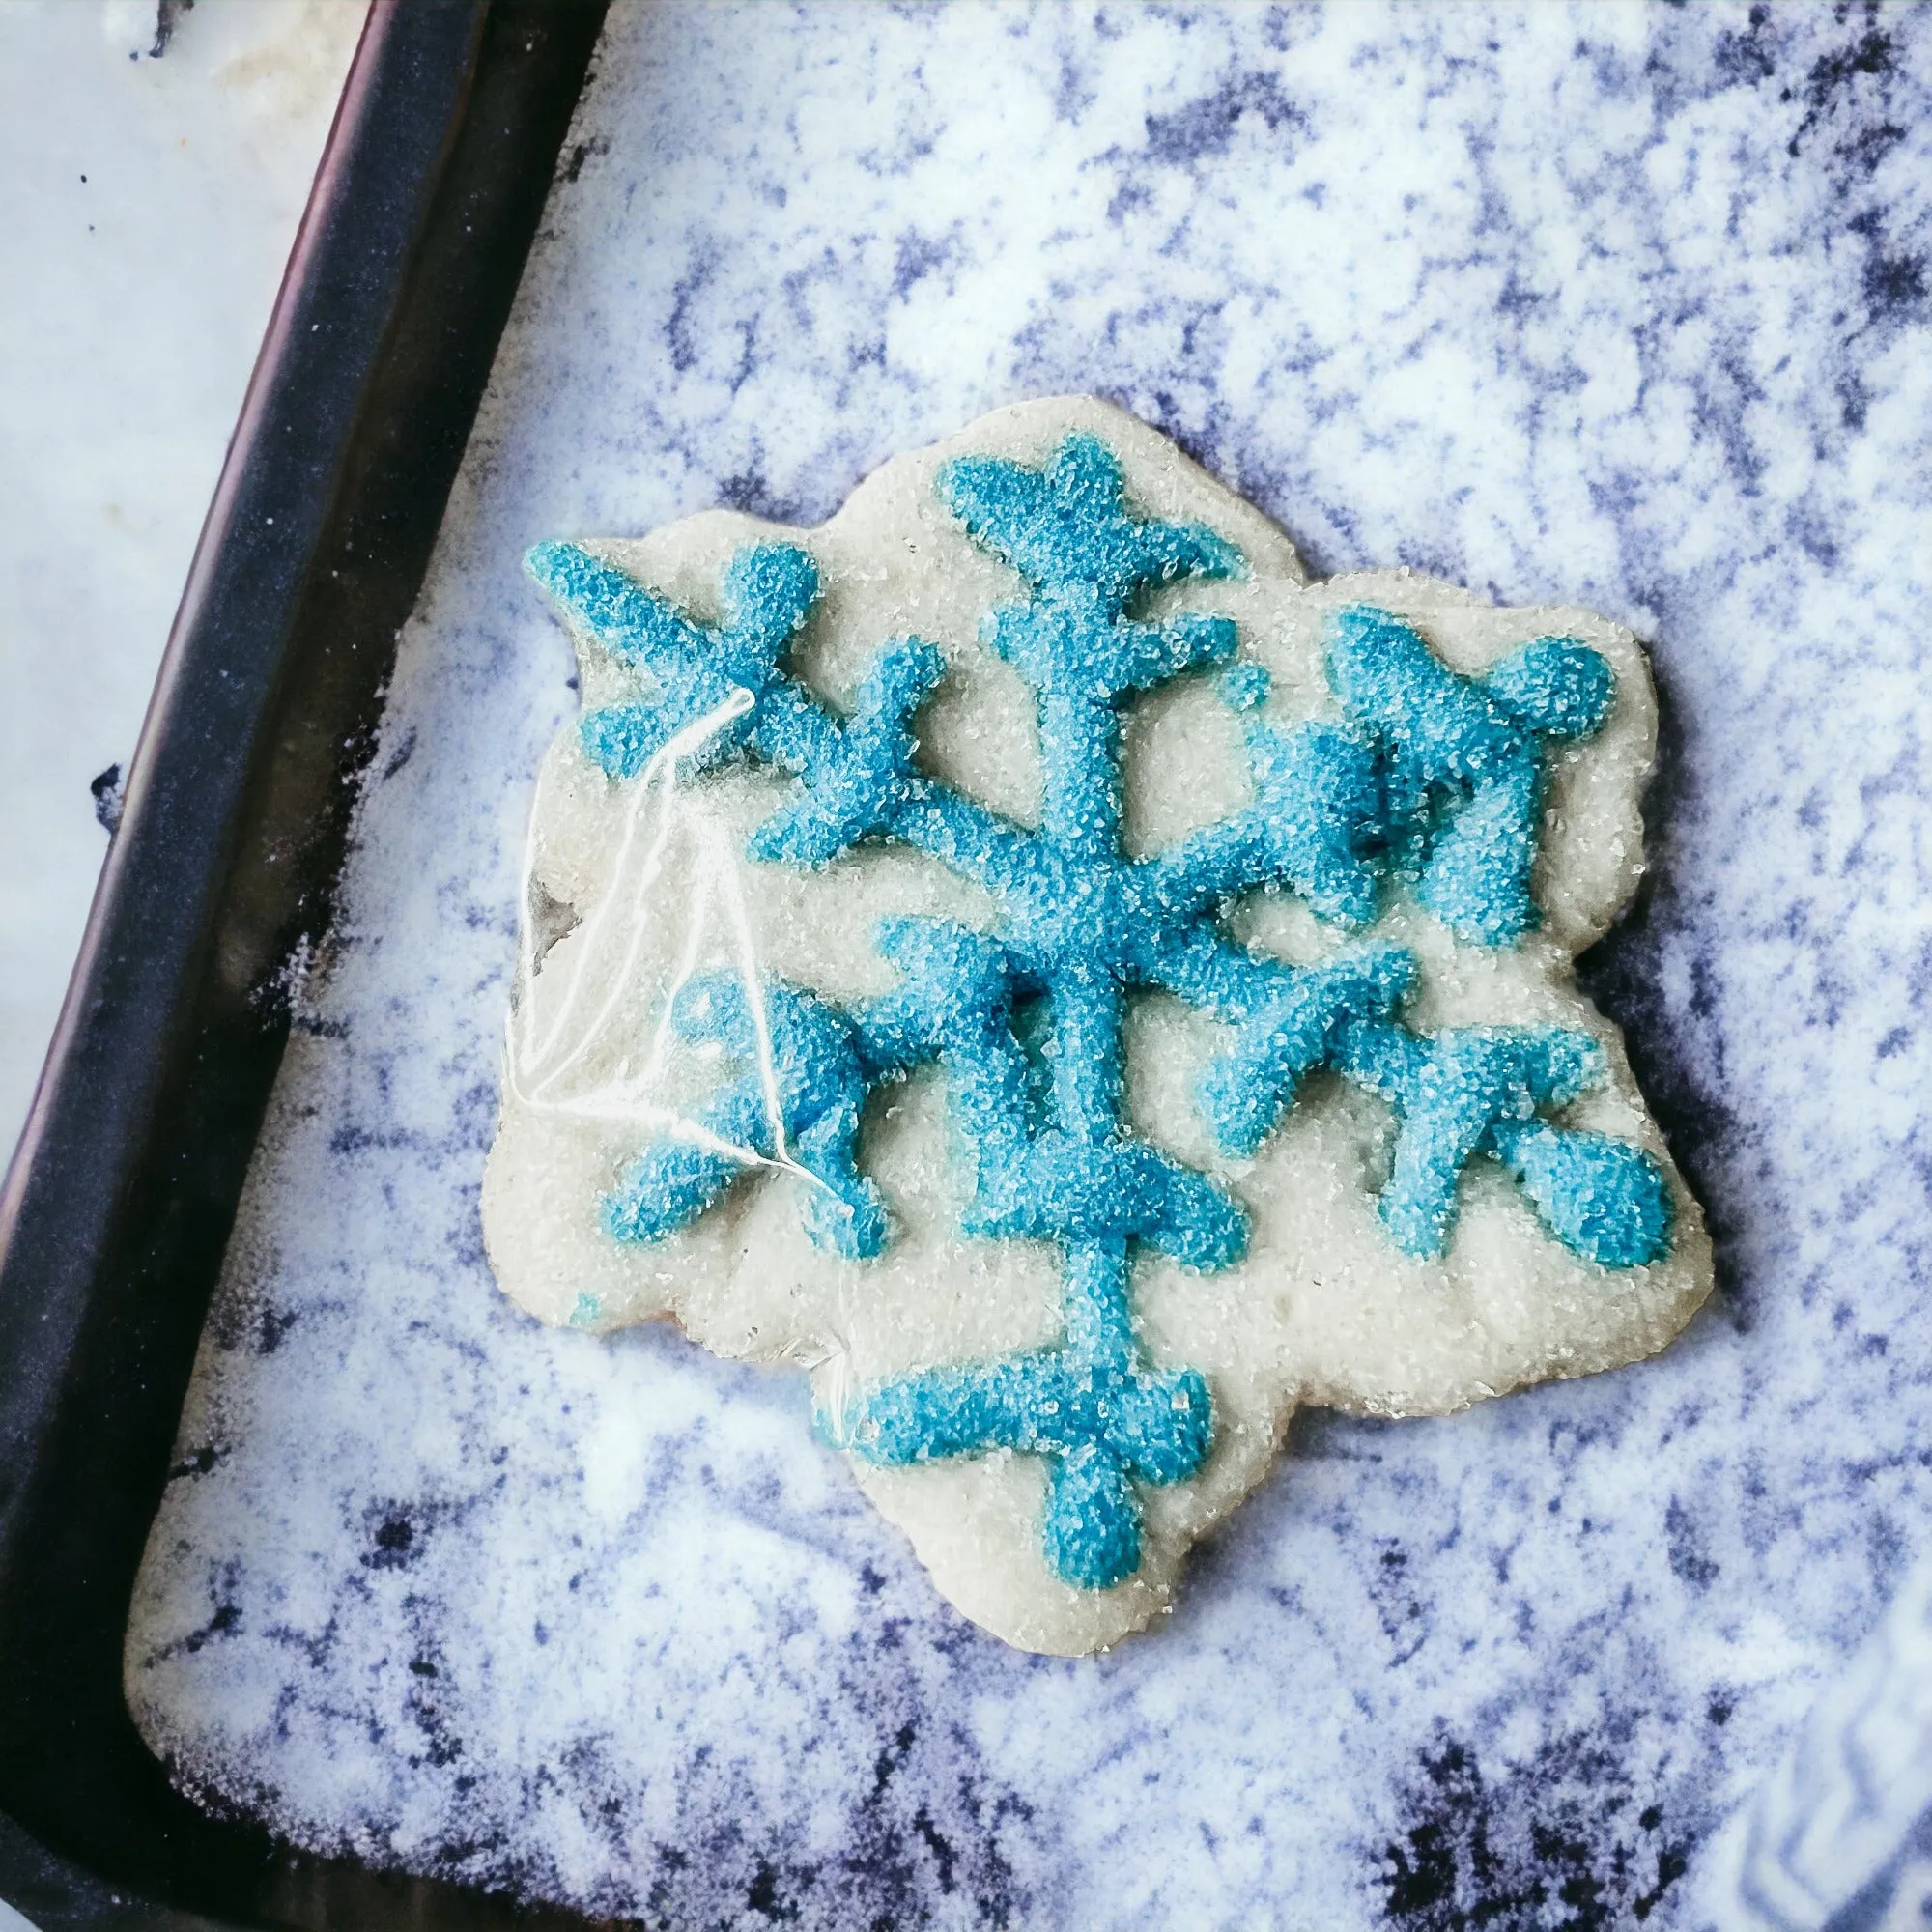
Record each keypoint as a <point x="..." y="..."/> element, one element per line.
<point x="1237" y="1062"/>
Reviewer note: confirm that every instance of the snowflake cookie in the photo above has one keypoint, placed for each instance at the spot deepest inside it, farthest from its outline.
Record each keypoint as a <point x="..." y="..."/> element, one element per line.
<point x="1027" y="956"/>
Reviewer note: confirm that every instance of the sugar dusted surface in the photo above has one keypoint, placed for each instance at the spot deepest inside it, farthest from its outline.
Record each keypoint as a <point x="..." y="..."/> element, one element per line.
<point x="1619" y="307"/>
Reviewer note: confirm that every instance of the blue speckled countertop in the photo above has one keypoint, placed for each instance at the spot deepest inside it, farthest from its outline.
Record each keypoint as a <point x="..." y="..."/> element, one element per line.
<point x="1613" y="305"/>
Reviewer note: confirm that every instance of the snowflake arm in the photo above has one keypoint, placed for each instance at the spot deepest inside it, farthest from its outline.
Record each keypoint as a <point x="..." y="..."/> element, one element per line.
<point x="858" y="772"/>
<point x="963" y="836"/>
<point x="1474" y="746"/>
<point x="858" y="779"/>
<point x="1081" y="662"/>
<point x="1602" y="1197"/>
<point x="1067" y="527"/>
<point x="1072" y="648"/>
<point x="799" y="1106"/>
<point x="767" y="592"/>
<point x="1315" y="826"/>
<point x="1100" y="1432"/>
<point x="954" y="1005"/>
<point x="1072" y="1190"/>
<point x="1478" y="1089"/>
<point x="1102" y="1422"/>
<point x="1288" y="1020"/>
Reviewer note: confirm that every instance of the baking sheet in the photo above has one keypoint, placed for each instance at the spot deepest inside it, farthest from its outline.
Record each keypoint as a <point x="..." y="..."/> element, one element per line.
<point x="1612" y="306"/>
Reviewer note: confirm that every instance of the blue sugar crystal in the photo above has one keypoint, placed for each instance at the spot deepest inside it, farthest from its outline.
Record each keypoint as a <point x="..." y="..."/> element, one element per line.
<point x="1477" y="1090"/>
<point x="1067" y="528"/>
<point x="1464" y="758"/>
<point x="1435" y="772"/>
<point x="820" y="1085"/>
<point x="1246" y="686"/>
<point x="766" y="594"/>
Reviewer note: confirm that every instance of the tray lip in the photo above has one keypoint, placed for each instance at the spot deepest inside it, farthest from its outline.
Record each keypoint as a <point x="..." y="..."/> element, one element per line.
<point x="84" y="1009"/>
<point x="310" y="413"/>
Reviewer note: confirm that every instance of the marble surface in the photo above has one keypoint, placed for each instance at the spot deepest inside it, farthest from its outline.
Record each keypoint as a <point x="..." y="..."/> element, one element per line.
<point x="154" y="185"/>
<point x="1617" y="305"/>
